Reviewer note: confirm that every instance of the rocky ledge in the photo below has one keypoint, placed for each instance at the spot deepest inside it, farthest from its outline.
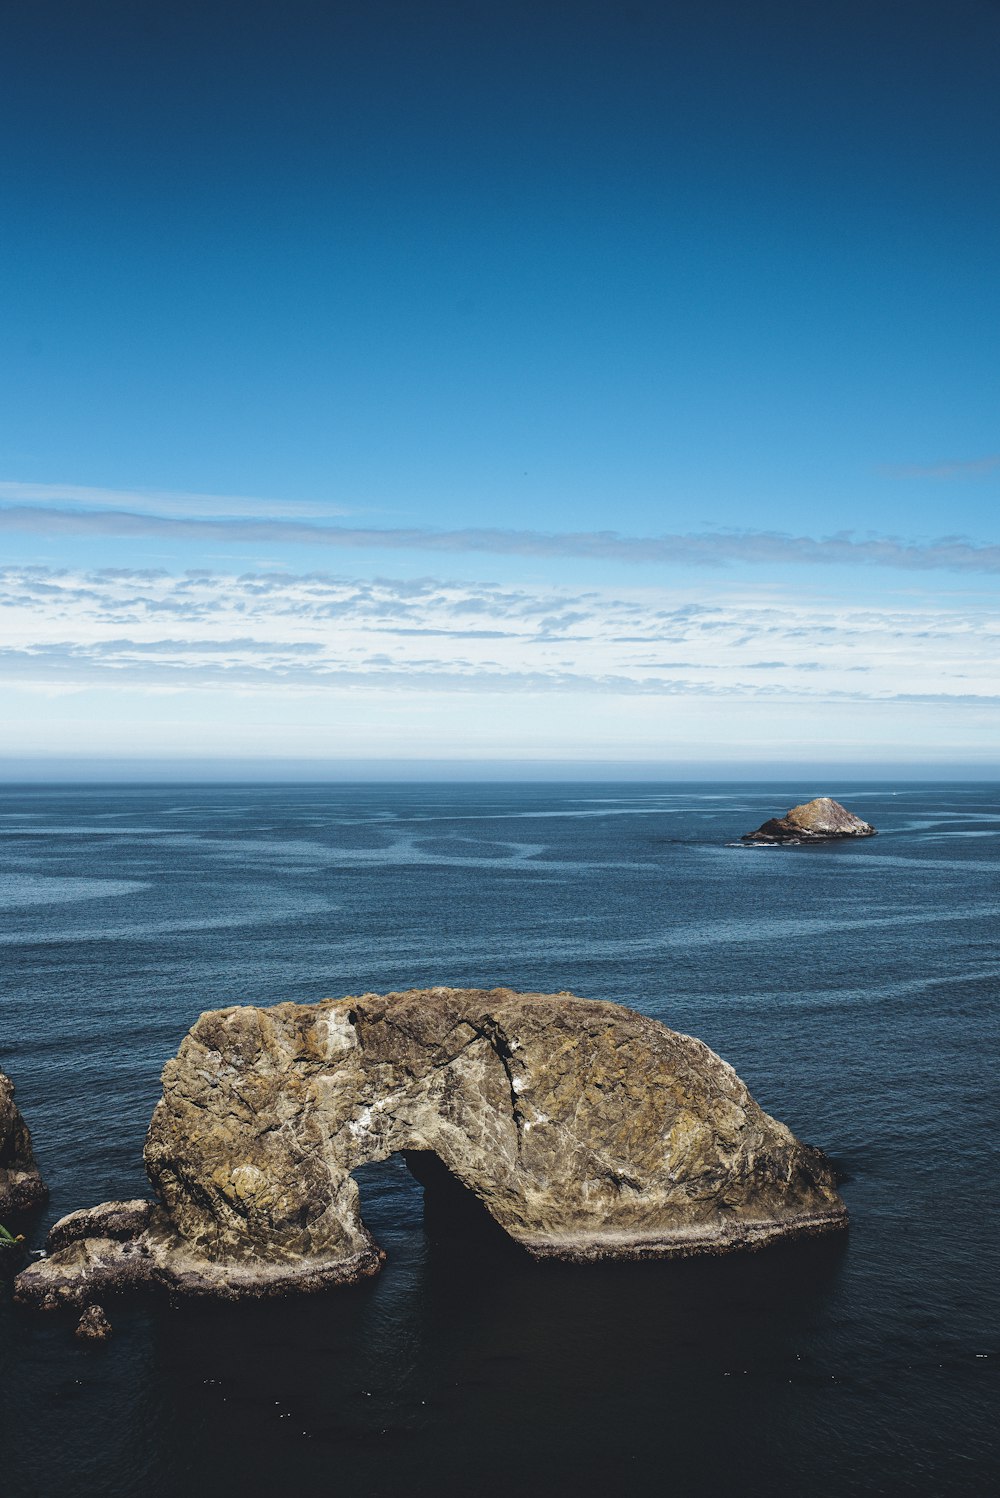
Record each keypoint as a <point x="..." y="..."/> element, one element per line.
<point x="821" y="821"/>
<point x="21" y="1184"/>
<point x="587" y="1131"/>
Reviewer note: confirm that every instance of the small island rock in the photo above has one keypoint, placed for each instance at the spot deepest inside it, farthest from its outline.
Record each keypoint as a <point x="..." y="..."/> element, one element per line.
<point x="821" y="821"/>
<point x="93" y="1325"/>
<point x="21" y="1184"/>
<point x="588" y="1131"/>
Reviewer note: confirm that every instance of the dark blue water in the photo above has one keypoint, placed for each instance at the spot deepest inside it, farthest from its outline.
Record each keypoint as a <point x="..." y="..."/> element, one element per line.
<point x="854" y="988"/>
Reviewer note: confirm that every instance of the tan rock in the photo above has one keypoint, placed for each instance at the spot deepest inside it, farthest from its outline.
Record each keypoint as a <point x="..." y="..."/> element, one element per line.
<point x="93" y="1325"/>
<point x="586" y="1130"/>
<point x="822" y="820"/>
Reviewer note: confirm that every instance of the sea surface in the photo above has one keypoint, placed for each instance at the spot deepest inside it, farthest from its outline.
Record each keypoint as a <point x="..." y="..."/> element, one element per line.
<point x="854" y="988"/>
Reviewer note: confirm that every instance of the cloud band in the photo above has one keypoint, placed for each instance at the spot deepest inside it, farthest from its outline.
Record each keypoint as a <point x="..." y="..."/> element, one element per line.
<point x="694" y="549"/>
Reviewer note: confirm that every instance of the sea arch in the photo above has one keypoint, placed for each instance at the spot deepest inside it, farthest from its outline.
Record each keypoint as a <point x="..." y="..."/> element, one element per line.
<point x="586" y="1131"/>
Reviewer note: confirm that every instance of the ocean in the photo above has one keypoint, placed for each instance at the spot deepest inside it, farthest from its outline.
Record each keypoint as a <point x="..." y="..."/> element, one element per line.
<point x="854" y="988"/>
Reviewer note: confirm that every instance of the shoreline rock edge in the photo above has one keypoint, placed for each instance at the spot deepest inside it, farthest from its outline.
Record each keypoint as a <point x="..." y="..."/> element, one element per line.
<point x="587" y="1130"/>
<point x="21" y="1186"/>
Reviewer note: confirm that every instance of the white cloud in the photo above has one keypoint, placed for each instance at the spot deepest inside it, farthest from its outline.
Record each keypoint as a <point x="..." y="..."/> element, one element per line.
<point x="297" y="634"/>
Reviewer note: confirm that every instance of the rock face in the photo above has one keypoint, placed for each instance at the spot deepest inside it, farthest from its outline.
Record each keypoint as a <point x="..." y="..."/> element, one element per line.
<point x="587" y="1130"/>
<point x="821" y="821"/>
<point x="21" y="1185"/>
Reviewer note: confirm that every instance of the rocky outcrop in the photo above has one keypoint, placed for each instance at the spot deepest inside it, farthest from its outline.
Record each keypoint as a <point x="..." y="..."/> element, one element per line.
<point x="587" y="1131"/>
<point x="821" y="821"/>
<point x="21" y="1185"/>
<point x="93" y="1325"/>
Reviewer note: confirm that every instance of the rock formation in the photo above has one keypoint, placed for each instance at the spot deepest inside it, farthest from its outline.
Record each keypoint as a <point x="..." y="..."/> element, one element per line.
<point x="93" y="1325"/>
<point x="588" y="1131"/>
<point x="821" y="821"/>
<point x="21" y="1185"/>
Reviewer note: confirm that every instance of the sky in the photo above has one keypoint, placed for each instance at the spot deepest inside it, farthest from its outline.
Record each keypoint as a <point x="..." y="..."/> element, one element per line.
<point x="574" y="384"/>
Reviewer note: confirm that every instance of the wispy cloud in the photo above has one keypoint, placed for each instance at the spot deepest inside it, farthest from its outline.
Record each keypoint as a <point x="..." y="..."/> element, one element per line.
<point x="310" y="632"/>
<point x="969" y="468"/>
<point x="135" y="665"/>
<point x="160" y="503"/>
<point x="695" y="549"/>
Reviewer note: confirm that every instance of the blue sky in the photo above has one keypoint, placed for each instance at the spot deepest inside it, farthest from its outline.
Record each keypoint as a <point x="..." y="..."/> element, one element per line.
<point x="553" y="382"/>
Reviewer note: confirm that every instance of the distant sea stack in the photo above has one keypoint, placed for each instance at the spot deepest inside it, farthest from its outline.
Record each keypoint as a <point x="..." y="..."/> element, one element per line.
<point x="586" y="1130"/>
<point x="821" y="821"/>
<point x="21" y="1184"/>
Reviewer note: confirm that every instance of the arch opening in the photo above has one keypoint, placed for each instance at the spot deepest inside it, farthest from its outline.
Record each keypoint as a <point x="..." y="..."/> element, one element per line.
<point x="413" y="1191"/>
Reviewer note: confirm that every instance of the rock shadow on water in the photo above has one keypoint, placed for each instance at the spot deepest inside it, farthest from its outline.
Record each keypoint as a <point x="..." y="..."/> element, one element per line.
<point x="463" y="1329"/>
<point x="455" y="1220"/>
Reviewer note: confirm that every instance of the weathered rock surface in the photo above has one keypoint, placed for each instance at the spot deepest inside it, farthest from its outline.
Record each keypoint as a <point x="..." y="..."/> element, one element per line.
<point x="586" y="1130"/>
<point x="21" y="1185"/>
<point x="93" y="1325"/>
<point x="819" y="821"/>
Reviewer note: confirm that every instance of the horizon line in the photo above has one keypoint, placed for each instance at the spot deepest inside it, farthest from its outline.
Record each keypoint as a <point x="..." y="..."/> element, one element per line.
<point x="61" y="770"/>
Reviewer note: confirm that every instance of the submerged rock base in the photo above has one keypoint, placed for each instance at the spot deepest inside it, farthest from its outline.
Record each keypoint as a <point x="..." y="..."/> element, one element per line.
<point x="586" y="1130"/>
